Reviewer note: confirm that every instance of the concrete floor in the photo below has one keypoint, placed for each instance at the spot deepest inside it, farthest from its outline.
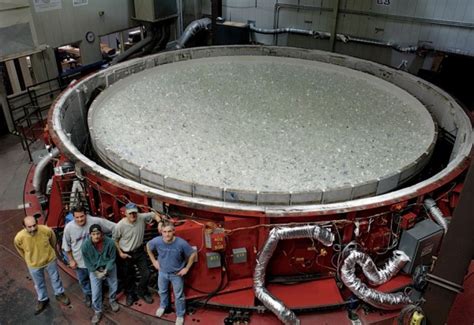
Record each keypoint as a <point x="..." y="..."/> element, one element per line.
<point x="14" y="166"/>
<point x="18" y="298"/>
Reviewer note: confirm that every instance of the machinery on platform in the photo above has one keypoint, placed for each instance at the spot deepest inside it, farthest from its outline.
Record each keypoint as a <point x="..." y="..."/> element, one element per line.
<point x="266" y="254"/>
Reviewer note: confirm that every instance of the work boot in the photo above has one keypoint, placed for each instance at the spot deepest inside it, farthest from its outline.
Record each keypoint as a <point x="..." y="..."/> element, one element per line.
<point x="114" y="306"/>
<point x="146" y="298"/>
<point x="179" y="320"/>
<point x="40" y="306"/>
<point x="96" y="318"/>
<point x="130" y="299"/>
<point x="88" y="301"/>
<point x="159" y="312"/>
<point x="62" y="298"/>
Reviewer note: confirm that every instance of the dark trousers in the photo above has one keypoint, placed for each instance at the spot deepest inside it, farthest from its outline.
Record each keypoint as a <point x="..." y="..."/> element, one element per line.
<point x="138" y="258"/>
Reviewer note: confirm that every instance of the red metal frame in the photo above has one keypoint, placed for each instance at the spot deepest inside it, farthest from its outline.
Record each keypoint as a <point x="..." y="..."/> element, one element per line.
<point x="291" y="257"/>
<point x="106" y="198"/>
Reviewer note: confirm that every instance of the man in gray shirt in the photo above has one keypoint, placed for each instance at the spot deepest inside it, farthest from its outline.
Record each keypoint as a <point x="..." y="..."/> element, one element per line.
<point x="128" y="235"/>
<point x="75" y="233"/>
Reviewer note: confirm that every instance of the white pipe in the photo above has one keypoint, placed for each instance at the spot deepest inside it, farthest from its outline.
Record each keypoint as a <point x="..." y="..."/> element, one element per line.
<point x="38" y="176"/>
<point x="436" y="213"/>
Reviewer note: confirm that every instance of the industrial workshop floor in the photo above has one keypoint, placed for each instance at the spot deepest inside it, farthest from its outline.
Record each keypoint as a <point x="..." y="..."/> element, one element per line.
<point x="17" y="298"/>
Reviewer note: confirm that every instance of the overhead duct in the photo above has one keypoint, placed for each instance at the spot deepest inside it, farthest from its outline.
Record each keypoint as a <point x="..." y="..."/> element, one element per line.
<point x="134" y="49"/>
<point x="192" y="30"/>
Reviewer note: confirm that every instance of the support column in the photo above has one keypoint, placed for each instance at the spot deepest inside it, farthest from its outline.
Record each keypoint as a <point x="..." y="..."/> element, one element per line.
<point x="216" y="11"/>
<point x="335" y="13"/>
<point x="44" y="65"/>
<point x="455" y="256"/>
<point x="4" y="103"/>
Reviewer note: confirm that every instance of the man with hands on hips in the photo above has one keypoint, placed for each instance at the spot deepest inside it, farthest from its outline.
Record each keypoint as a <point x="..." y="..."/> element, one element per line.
<point x="175" y="258"/>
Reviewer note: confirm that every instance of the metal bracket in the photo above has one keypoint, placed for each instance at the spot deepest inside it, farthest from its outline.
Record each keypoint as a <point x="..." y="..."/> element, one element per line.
<point x="448" y="285"/>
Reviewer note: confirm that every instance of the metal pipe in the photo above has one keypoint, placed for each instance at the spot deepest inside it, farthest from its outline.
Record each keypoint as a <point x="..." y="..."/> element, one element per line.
<point x="283" y="313"/>
<point x="39" y="171"/>
<point x="335" y="15"/>
<point x="408" y="19"/>
<point x="135" y="48"/>
<point x="371" y="296"/>
<point x="216" y="13"/>
<point x="339" y="37"/>
<point x="191" y="30"/>
<point x="289" y="30"/>
<point x="436" y="213"/>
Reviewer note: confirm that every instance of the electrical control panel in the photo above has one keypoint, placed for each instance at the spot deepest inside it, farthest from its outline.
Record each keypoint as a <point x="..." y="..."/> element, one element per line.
<point x="239" y="255"/>
<point x="407" y="221"/>
<point x="215" y="239"/>
<point x="213" y="260"/>
<point x="420" y="243"/>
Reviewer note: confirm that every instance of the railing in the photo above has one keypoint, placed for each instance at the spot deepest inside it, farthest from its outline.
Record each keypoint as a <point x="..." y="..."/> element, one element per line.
<point x="28" y="109"/>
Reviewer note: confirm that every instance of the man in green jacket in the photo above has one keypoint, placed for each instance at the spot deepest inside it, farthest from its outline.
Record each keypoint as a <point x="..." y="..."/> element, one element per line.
<point x="99" y="253"/>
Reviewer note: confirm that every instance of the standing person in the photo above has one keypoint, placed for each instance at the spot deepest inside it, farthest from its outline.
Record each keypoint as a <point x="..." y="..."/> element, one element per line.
<point x="175" y="258"/>
<point x="99" y="254"/>
<point x="128" y="235"/>
<point x="36" y="243"/>
<point x="74" y="235"/>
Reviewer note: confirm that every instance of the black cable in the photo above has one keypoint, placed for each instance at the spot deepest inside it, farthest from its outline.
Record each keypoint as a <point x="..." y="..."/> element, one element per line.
<point x="221" y="285"/>
<point x="24" y="186"/>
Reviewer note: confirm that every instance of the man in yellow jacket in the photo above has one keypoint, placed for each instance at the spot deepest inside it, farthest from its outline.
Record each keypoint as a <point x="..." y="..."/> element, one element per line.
<point x="36" y="243"/>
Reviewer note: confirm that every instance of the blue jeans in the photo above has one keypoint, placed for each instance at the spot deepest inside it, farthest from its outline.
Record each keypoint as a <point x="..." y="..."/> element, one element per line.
<point x="37" y="274"/>
<point x="96" y="285"/>
<point x="83" y="278"/>
<point x="164" y="280"/>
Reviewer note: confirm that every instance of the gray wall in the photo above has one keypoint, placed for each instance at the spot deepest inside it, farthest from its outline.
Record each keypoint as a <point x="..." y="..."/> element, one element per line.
<point x="16" y="33"/>
<point x="446" y="25"/>
<point x="70" y="24"/>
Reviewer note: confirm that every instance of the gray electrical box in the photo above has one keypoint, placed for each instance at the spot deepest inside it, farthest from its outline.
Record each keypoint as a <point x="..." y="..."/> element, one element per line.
<point x="213" y="260"/>
<point x="155" y="10"/>
<point x="239" y="255"/>
<point x="420" y="243"/>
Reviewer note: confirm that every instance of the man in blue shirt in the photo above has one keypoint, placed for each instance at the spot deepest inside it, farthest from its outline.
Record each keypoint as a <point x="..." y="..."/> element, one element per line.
<point x="175" y="258"/>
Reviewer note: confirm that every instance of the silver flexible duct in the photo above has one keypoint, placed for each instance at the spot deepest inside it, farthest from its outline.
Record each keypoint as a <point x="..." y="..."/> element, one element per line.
<point x="191" y="30"/>
<point x="39" y="170"/>
<point x="374" y="275"/>
<point x="371" y="296"/>
<point x="276" y="234"/>
<point x="436" y="213"/>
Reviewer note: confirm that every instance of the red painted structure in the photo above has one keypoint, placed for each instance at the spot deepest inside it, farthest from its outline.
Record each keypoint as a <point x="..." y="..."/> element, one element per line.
<point x="232" y="287"/>
<point x="302" y="274"/>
